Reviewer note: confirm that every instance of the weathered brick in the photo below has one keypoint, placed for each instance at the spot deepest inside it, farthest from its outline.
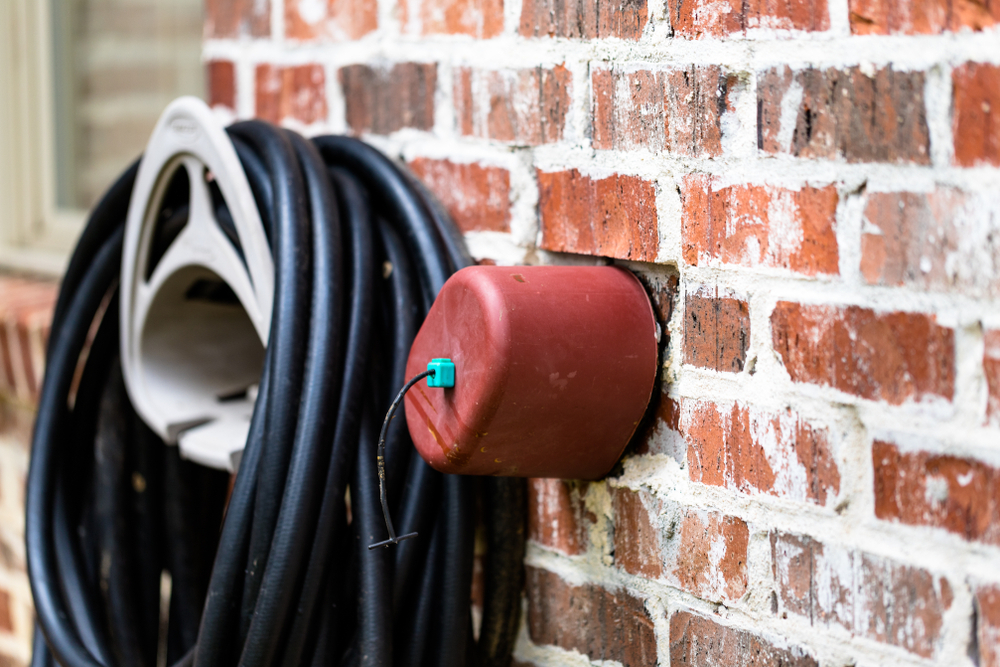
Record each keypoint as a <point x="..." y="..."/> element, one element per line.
<point x="706" y="554"/>
<point x="921" y="17"/>
<point x="637" y="542"/>
<point x="596" y="622"/>
<point x="663" y="294"/>
<point x="517" y="106"/>
<point x="867" y="595"/>
<point x="237" y="18"/>
<point x="716" y="332"/>
<point x="697" y="641"/>
<point x="894" y="357"/>
<point x="477" y="196"/>
<point x="664" y="433"/>
<point x="557" y="517"/>
<point x="339" y="20"/>
<point x="613" y="217"/>
<point x="678" y="110"/>
<point x="942" y="241"/>
<point x="705" y="18"/>
<point x="297" y="92"/>
<point x="988" y="625"/>
<point x="481" y="19"/>
<point x="991" y="369"/>
<point x="6" y="618"/>
<point x="582" y="19"/>
<point x="384" y="100"/>
<point x="759" y="225"/>
<point x="922" y="489"/>
<point x="25" y="314"/>
<point x="848" y="114"/>
<point x="221" y="75"/>
<point x="976" y="121"/>
<point x="752" y="450"/>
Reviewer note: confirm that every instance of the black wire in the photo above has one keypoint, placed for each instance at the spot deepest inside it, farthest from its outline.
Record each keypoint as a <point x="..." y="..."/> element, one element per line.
<point x="360" y="251"/>
<point x="380" y="458"/>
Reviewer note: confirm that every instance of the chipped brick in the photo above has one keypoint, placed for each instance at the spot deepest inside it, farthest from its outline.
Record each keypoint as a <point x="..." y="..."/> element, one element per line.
<point x="937" y="241"/>
<point x="894" y="357"/>
<point x="517" y="106"/>
<point x="581" y="19"/>
<point x="384" y="100"/>
<point x="677" y="111"/>
<point x="759" y="225"/>
<point x="297" y="92"/>
<point x="922" y="489"/>
<point x="716" y="332"/>
<point x="845" y="114"/>
<point x="477" y="196"/>
<point x="613" y="217"/>
<point x="598" y="623"/>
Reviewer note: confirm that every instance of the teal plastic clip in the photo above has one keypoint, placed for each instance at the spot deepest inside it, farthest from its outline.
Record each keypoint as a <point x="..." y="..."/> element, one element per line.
<point x="444" y="373"/>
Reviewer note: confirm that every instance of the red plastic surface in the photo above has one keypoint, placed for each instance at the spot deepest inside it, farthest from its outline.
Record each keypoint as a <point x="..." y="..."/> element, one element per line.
<point x="554" y="367"/>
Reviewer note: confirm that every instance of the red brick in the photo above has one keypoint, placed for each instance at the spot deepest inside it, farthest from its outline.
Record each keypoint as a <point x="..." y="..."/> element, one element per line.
<point x="382" y="101"/>
<point x="664" y="435"/>
<point x="678" y="111"/>
<point x="583" y="19"/>
<point x="613" y="217"/>
<point x="557" y="517"/>
<point x="707" y="555"/>
<point x="922" y="489"/>
<point x="760" y="225"/>
<point x="988" y="625"/>
<point x="237" y="18"/>
<point x="921" y="17"/>
<point x="941" y="241"/>
<point x="481" y="19"/>
<point x="867" y="595"/>
<point x="976" y="104"/>
<point x="517" y="106"/>
<point x="637" y="542"/>
<point x="339" y="20"/>
<point x="991" y="369"/>
<point x="477" y="196"/>
<point x="25" y="313"/>
<point x="221" y="75"/>
<point x="752" y="450"/>
<point x="696" y="641"/>
<point x="596" y="622"/>
<point x="705" y="18"/>
<point x="716" y="332"/>
<point x="6" y="618"/>
<point x="845" y="114"/>
<point x="297" y="92"/>
<point x="894" y="357"/>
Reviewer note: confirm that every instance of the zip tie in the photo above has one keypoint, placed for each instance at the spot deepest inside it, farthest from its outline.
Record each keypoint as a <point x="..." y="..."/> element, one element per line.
<point x="393" y="539"/>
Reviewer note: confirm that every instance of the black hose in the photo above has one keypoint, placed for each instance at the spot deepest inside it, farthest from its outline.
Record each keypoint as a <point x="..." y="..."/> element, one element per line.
<point x="280" y="571"/>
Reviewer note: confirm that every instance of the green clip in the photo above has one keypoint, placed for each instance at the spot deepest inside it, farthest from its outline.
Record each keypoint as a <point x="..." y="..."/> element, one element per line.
<point x="444" y="373"/>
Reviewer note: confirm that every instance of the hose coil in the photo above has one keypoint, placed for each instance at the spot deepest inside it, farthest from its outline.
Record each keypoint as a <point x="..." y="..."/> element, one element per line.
<point x="272" y="567"/>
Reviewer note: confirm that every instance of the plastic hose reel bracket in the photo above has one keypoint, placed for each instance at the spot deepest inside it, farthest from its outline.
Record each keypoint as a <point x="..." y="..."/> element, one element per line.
<point x="190" y="358"/>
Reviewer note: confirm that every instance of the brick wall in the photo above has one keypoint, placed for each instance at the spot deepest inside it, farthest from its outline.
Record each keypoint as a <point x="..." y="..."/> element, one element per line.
<point x="25" y="312"/>
<point x="811" y="191"/>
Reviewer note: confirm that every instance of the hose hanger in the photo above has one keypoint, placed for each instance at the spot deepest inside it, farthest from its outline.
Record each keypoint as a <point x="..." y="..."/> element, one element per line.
<point x="196" y="291"/>
<point x="244" y="302"/>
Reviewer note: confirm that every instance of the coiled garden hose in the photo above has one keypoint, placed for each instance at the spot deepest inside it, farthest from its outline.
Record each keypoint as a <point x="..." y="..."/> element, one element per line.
<point x="273" y="567"/>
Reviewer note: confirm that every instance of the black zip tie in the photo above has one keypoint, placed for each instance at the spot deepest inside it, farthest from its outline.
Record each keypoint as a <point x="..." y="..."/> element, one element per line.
<point x="393" y="539"/>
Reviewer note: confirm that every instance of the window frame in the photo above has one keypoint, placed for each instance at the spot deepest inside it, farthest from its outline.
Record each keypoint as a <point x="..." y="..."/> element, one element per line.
<point x="36" y="235"/>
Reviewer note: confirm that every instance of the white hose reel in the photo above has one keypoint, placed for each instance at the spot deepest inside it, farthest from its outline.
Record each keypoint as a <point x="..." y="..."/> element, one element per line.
<point x="191" y="354"/>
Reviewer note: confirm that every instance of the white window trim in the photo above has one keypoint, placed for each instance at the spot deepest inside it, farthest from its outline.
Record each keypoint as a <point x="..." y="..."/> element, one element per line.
<point x="35" y="235"/>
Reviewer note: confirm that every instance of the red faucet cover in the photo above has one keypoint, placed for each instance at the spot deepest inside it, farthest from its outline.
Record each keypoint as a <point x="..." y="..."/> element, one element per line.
<point x="554" y="368"/>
